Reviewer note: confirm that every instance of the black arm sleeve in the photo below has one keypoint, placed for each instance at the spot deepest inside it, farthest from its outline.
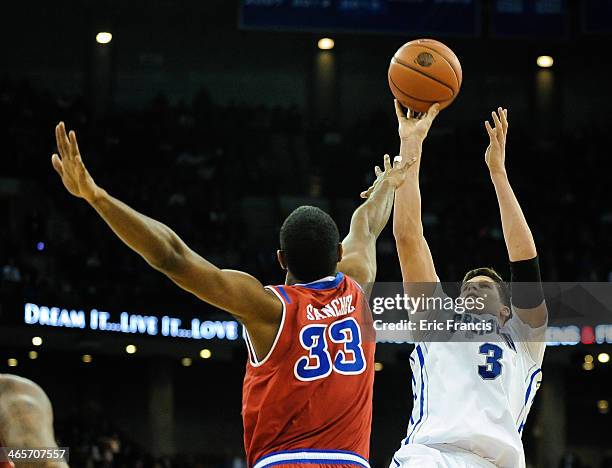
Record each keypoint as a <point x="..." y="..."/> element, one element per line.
<point x="527" y="292"/>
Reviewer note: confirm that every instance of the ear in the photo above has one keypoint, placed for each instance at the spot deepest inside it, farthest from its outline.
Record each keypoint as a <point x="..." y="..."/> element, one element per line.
<point x="280" y="256"/>
<point x="505" y="314"/>
<point x="340" y="252"/>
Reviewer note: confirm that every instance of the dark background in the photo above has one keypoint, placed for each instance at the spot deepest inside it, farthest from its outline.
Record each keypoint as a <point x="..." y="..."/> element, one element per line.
<point x="219" y="123"/>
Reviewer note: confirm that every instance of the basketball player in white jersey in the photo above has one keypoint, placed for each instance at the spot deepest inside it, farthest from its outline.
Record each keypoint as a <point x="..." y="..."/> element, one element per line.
<point x="471" y="398"/>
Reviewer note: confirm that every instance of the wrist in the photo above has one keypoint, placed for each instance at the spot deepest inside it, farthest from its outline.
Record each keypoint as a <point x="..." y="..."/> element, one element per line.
<point x="499" y="175"/>
<point x="96" y="195"/>
<point x="411" y="147"/>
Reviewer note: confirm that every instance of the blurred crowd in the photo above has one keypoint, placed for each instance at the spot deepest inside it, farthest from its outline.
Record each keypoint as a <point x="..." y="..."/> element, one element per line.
<point x="224" y="178"/>
<point x="94" y="442"/>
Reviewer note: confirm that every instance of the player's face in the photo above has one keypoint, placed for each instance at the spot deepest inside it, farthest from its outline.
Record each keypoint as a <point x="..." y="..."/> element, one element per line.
<point x="484" y="289"/>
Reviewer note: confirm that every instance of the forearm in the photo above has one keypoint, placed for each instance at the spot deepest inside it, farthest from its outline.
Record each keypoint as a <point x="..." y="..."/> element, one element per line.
<point x="518" y="237"/>
<point x="154" y="241"/>
<point x="407" y="222"/>
<point x="375" y="212"/>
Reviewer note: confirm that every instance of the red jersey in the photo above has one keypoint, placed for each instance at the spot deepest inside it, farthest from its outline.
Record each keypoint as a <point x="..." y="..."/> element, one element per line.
<point x="5" y="461"/>
<point x="310" y="399"/>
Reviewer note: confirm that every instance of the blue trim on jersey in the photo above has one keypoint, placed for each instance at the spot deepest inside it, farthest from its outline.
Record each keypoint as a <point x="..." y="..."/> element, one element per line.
<point x="396" y="462"/>
<point x="284" y="293"/>
<point x="316" y="461"/>
<point x="527" y="395"/>
<point x="345" y="452"/>
<point x="422" y="402"/>
<point x="324" y="284"/>
<point x="535" y="372"/>
<point x="331" y="461"/>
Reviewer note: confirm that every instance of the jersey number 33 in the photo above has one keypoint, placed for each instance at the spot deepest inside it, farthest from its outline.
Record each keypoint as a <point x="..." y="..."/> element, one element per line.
<point x="344" y="337"/>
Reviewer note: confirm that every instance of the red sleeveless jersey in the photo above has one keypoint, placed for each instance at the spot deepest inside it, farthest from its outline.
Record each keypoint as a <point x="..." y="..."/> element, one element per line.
<point x="309" y="401"/>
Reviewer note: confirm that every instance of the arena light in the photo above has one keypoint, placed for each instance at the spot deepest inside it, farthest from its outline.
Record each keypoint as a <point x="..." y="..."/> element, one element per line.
<point x="186" y="362"/>
<point x="130" y="349"/>
<point x="205" y="354"/>
<point x="37" y="341"/>
<point x="603" y="406"/>
<point x="104" y="37"/>
<point x="603" y="357"/>
<point x="588" y="358"/>
<point x="33" y="355"/>
<point x="587" y="366"/>
<point x="378" y="366"/>
<point x="545" y="61"/>
<point x="12" y="362"/>
<point x="86" y="358"/>
<point x="326" y="43"/>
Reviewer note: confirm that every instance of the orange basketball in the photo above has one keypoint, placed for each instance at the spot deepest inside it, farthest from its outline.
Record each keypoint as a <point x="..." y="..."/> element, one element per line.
<point x="424" y="71"/>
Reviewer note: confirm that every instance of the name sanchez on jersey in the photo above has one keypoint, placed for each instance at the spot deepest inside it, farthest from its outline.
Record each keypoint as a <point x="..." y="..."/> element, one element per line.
<point x="336" y="308"/>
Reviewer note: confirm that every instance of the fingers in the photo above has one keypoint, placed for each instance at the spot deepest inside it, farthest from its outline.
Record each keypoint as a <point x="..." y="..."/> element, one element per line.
<point x="57" y="164"/>
<point x="490" y="130"/>
<point x="63" y="144"/>
<point x="377" y="171"/>
<point x="387" y="162"/>
<point x="432" y="112"/>
<point x="399" y="112"/>
<point x="409" y="163"/>
<point x="73" y="143"/>
<point x="504" y="121"/>
<point x="496" y="120"/>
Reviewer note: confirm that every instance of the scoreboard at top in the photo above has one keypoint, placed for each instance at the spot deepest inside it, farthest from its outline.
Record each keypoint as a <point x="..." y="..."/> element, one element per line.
<point x="507" y="18"/>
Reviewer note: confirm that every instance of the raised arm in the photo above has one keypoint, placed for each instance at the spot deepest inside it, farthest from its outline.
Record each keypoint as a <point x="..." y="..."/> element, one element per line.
<point x="528" y="299"/>
<point x="415" y="258"/>
<point x="235" y="292"/>
<point x="368" y="221"/>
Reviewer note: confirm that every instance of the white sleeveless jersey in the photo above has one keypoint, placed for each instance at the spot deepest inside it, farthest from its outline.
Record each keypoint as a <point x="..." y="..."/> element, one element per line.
<point x="476" y="396"/>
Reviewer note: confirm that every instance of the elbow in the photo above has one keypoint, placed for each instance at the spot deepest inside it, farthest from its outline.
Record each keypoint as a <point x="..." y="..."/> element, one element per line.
<point x="407" y="232"/>
<point x="170" y="259"/>
<point x="411" y="239"/>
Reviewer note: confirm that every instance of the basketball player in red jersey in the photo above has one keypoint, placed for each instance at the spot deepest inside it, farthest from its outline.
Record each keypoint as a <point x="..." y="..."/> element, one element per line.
<point x="26" y="421"/>
<point x="307" y="396"/>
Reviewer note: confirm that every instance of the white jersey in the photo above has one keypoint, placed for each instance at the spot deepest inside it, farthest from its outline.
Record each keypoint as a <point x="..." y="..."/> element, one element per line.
<point x="475" y="396"/>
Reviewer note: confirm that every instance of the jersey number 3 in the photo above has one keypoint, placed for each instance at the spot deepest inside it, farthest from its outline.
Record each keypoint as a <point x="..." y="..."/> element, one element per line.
<point x="349" y="360"/>
<point x="492" y="367"/>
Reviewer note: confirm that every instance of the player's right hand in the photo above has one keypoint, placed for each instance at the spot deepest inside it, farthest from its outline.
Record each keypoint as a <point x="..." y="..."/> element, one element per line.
<point x="413" y="126"/>
<point x="395" y="174"/>
<point x="70" y="167"/>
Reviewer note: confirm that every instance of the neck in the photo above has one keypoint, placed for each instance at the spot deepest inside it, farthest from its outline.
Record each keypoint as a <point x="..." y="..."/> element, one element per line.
<point x="290" y="280"/>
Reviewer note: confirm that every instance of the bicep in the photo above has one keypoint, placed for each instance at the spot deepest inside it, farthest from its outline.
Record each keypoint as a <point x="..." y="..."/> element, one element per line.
<point x="236" y="292"/>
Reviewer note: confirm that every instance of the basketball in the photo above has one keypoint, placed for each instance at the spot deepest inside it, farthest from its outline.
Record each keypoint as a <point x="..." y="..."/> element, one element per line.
<point x="423" y="72"/>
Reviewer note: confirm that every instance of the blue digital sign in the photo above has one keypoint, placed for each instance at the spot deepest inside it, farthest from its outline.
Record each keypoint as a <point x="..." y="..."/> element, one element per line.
<point x="129" y="323"/>
<point x="414" y="17"/>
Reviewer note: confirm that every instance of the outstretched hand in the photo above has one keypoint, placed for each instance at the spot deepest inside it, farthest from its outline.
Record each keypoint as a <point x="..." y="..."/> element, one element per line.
<point x="411" y="126"/>
<point x="395" y="174"/>
<point x="69" y="165"/>
<point x="495" y="156"/>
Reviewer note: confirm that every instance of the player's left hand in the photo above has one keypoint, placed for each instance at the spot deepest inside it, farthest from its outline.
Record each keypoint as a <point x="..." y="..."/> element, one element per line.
<point x="395" y="174"/>
<point x="495" y="156"/>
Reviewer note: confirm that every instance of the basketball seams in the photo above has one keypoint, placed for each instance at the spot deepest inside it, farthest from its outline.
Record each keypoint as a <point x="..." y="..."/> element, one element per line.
<point x="404" y="64"/>
<point x="447" y="61"/>
<point x="415" y="98"/>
